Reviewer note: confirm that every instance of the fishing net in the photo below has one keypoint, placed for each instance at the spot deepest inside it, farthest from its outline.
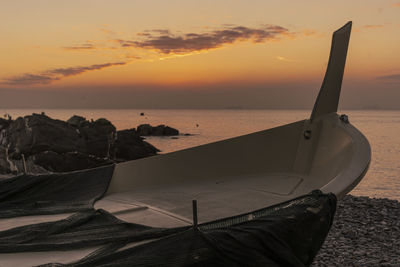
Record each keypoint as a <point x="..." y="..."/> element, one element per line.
<point x="287" y="234"/>
<point x="80" y="230"/>
<point x="53" y="193"/>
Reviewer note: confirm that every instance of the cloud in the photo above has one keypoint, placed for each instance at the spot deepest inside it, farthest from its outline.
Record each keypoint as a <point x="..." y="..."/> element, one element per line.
<point x="309" y="32"/>
<point x="81" y="47"/>
<point x="373" y="26"/>
<point x="133" y="56"/>
<point x="107" y="31"/>
<point x="280" y="58"/>
<point x="390" y="78"/>
<point x="146" y="34"/>
<point x="72" y="71"/>
<point x="28" y="79"/>
<point x="369" y="27"/>
<point x="51" y="75"/>
<point x="160" y="31"/>
<point x="165" y="42"/>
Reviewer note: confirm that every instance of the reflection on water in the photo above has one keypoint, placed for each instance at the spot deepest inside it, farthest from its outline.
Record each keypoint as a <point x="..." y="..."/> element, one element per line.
<point x="382" y="128"/>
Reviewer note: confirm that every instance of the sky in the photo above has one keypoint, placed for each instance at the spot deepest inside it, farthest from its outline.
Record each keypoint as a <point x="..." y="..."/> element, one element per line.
<point x="194" y="54"/>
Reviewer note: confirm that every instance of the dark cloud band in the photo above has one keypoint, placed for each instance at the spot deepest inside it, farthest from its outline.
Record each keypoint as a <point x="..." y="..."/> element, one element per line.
<point x="393" y="77"/>
<point x="166" y="42"/>
<point x="81" y="47"/>
<point x="51" y="75"/>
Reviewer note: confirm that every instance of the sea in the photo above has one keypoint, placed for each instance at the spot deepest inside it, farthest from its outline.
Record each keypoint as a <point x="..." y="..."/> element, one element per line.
<point x="381" y="127"/>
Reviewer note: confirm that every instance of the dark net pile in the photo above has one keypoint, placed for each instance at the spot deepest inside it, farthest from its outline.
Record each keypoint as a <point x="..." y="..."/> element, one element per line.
<point x="288" y="234"/>
<point x="83" y="229"/>
<point x="53" y="193"/>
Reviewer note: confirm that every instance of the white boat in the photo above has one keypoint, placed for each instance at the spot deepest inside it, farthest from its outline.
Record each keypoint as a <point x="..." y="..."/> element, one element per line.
<point x="256" y="170"/>
<point x="233" y="176"/>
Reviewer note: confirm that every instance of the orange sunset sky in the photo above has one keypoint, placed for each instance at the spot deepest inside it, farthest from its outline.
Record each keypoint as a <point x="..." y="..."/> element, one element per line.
<point x="193" y="54"/>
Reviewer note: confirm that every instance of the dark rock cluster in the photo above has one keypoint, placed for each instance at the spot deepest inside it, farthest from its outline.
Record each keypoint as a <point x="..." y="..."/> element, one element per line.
<point x="365" y="232"/>
<point x="160" y="130"/>
<point x="39" y="143"/>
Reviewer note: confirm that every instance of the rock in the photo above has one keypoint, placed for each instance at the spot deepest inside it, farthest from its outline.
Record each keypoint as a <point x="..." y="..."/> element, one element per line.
<point x="145" y="129"/>
<point x="4" y="123"/>
<point x="99" y="137"/>
<point x="170" y="131"/>
<point x="160" y="130"/>
<point x="36" y="133"/>
<point x="77" y="121"/>
<point x="129" y="145"/>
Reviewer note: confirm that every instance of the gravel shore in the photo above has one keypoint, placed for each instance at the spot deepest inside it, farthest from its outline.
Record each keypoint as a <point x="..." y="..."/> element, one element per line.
<point x="365" y="232"/>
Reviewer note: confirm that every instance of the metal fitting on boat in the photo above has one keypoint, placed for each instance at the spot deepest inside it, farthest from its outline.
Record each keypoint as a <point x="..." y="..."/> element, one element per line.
<point x="344" y="118"/>
<point x="307" y="134"/>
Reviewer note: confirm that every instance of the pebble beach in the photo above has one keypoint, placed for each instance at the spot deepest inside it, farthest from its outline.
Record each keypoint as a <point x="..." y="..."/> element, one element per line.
<point x="365" y="232"/>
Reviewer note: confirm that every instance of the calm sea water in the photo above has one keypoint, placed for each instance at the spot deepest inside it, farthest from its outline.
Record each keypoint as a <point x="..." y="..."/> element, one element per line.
<point x="382" y="128"/>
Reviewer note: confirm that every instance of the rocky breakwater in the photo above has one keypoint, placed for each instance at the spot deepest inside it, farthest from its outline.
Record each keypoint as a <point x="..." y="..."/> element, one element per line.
<point x="38" y="143"/>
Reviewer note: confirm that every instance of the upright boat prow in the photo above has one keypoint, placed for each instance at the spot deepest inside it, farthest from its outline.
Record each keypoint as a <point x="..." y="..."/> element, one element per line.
<point x="329" y="94"/>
